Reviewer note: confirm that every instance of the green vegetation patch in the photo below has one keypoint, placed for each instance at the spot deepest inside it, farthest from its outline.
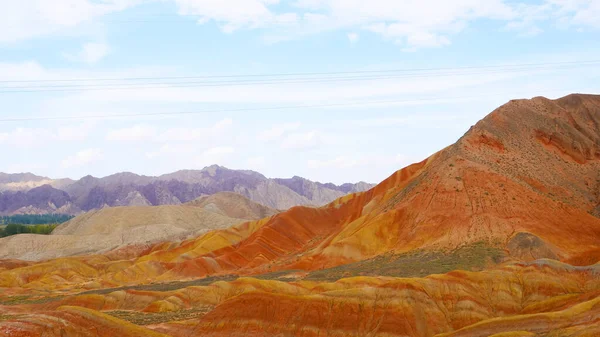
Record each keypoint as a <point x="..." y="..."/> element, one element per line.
<point x="142" y="318"/>
<point x="472" y="257"/>
<point x="14" y="229"/>
<point x="168" y="286"/>
<point x="16" y="300"/>
<point x="33" y="219"/>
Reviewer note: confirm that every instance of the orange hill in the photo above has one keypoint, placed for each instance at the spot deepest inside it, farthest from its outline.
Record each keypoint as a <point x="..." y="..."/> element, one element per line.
<point x="499" y="180"/>
<point x="516" y="300"/>
<point x="523" y="182"/>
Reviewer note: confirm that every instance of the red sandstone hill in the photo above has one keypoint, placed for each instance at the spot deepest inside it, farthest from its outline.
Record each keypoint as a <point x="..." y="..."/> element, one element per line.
<point x="525" y="178"/>
<point x="521" y="185"/>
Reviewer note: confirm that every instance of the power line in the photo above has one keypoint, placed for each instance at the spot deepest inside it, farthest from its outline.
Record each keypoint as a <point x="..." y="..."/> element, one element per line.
<point x="149" y="114"/>
<point x="264" y="81"/>
<point x="160" y="85"/>
<point x="522" y="65"/>
<point x="283" y="80"/>
<point x="289" y="107"/>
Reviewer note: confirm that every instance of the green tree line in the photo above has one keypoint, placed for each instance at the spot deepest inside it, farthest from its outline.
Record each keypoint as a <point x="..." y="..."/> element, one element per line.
<point x="14" y="229"/>
<point x="35" y="219"/>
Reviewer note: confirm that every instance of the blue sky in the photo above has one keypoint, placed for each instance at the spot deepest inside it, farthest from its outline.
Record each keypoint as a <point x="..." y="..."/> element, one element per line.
<point x="323" y="129"/>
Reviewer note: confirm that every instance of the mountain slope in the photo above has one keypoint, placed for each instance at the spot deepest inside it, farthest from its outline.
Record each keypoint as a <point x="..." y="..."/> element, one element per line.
<point x="117" y="227"/>
<point x="498" y="184"/>
<point x="112" y="228"/>
<point x="129" y="189"/>
<point x="233" y="205"/>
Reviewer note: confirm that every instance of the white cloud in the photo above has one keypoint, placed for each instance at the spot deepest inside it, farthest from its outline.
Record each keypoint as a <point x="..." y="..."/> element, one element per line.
<point x="579" y="13"/>
<point x="410" y="24"/>
<point x="90" y="53"/>
<point x="136" y="133"/>
<point x="410" y="36"/>
<point x="353" y="37"/>
<point x="587" y="14"/>
<point x="564" y="14"/>
<point x="235" y="14"/>
<point x="83" y="158"/>
<point x="21" y="20"/>
<point x="277" y="131"/>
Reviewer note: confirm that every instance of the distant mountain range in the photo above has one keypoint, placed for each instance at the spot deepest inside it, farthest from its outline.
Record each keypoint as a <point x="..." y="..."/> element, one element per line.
<point x="26" y="193"/>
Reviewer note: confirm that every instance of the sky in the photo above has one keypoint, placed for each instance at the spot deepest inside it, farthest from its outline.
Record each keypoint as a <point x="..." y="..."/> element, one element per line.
<point x="330" y="90"/>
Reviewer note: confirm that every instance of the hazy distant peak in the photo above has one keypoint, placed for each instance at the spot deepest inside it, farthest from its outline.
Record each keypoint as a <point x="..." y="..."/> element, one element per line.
<point x="131" y="189"/>
<point x="19" y="177"/>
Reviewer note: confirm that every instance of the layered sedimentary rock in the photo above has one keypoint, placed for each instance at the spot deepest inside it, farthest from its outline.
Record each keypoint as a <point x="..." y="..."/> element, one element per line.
<point x="540" y="297"/>
<point x="517" y="194"/>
